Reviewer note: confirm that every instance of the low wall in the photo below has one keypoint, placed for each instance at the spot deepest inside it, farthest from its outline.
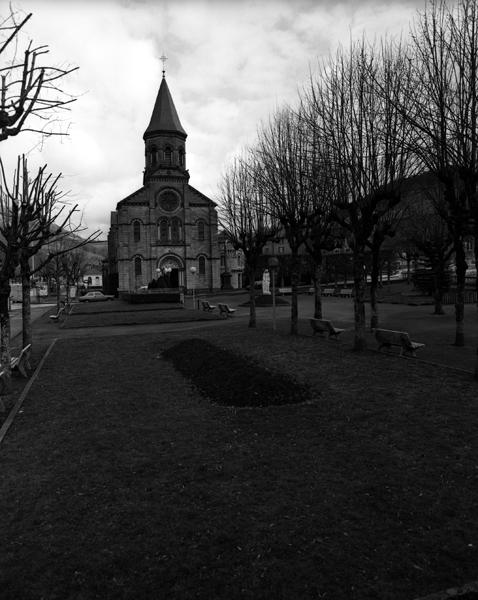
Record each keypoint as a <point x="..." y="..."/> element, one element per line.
<point x="151" y="298"/>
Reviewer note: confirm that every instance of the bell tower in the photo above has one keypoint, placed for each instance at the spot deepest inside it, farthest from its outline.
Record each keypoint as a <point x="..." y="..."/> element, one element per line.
<point x="165" y="138"/>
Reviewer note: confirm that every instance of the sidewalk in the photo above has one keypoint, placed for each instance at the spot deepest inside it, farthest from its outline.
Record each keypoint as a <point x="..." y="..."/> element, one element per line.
<point x="37" y="310"/>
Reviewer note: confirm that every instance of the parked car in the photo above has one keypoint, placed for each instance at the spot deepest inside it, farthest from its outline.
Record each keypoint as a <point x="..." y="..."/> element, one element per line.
<point x="95" y="297"/>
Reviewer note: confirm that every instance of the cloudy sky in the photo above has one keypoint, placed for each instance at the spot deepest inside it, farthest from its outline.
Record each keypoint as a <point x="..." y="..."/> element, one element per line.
<point x="230" y="64"/>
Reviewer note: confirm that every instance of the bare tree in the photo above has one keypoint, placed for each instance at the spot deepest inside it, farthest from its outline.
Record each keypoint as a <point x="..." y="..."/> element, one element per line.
<point x="367" y="139"/>
<point x="443" y="110"/>
<point x="245" y="218"/>
<point x="433" y="240"/>
<point x="28" y="87"/>
<point x="33" y="214"/>
<point x="290" y="179"/>
<point x="74" y="263"/>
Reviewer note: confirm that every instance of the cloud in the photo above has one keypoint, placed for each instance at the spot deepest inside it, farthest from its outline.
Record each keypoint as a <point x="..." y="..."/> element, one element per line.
<point x="230" y="64"/>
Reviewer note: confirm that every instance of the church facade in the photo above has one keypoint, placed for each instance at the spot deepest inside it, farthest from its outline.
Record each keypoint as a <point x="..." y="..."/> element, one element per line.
<point x="165" y="233"/>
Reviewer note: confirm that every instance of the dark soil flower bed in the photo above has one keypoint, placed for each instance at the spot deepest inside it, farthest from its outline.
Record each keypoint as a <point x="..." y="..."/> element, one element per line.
<point x="230" y="379"/>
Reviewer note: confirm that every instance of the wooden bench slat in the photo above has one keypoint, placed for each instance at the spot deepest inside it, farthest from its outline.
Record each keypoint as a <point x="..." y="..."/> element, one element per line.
<point x="389" y="337"/>
<point x="225" y="309"/>
<point x="56" y="317"/>
<point x="325" y="326"/>
<point x="207" y="307"/>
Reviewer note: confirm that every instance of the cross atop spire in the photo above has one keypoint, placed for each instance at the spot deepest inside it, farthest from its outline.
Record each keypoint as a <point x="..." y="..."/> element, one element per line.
<point x="163" y="58"/>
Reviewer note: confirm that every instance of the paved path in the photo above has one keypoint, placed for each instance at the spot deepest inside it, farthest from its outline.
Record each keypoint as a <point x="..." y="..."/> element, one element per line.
<point x="16" y="316"/>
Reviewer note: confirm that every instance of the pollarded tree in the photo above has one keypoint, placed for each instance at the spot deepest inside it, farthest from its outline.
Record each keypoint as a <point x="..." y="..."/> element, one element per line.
<point x="291" y="178"/>
<point x="33" y="214"/>
<point x="74" y="263"/>
<point x="245" y="218"/>
<point x="432" y="238"/>
<point x="368" y="149"/>
<point x="442" y="107"/>
<point x="29" y="89"/>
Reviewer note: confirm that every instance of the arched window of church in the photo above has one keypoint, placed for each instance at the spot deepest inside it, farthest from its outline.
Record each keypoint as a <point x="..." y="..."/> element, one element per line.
<point x="176" y="230"/>
<point x="181" y="157"/>
<point x="154" y="155"/>
<point x="201" y="233"/>
<point x="168" y="155"/>
<point x="163" y="230"/>
<point x="136" y="231"/>
<point x="202" y="265"/>
<point x="137" y="266"/>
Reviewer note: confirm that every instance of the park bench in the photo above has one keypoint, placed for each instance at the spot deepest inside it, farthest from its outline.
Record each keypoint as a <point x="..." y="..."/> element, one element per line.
<point x="285" y="290"/>
<point x="346" y="293"/>
<point x="18" y="363"/>
<point x="387" y="338"/>
<point x="322" y="326"/>
<point x="207" y="307"/>
<point x="56" y="318"/>
<point x="225" y="310"/>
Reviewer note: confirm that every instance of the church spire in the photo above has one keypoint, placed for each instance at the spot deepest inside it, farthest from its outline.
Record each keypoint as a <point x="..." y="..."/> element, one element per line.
<point x="165" y="138"/>
<point x="164" y="119"/>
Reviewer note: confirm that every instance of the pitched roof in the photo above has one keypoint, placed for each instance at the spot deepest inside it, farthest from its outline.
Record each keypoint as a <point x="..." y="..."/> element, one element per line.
<point x="164" y="118"/>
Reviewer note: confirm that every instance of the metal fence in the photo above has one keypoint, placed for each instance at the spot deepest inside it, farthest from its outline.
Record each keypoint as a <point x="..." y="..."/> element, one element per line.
<point x="450" y="297"/>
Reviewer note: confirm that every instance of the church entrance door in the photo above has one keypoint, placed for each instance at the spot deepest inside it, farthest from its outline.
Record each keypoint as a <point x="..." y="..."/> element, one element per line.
<point x="170" y="267"/>
<point x="174" y="278"/>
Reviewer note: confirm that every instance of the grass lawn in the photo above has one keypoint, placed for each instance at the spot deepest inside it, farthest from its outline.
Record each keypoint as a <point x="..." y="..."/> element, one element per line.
<point x="120" y="480"/>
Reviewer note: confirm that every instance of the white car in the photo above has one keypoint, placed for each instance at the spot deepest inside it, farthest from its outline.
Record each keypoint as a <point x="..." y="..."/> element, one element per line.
<point x="95" y="297"/>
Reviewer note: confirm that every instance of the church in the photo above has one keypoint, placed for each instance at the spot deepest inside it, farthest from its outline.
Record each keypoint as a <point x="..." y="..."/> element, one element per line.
<point x="164" y="235"/>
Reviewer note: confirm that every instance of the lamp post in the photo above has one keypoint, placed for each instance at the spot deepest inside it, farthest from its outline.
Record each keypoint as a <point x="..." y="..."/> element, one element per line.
<point x="164" y="272"/>
<point x="273" y="264"/>
<point x="193" y="282"/>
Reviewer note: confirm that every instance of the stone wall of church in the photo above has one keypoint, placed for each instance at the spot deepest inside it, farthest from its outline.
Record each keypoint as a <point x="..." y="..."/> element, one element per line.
<point x="138" y="238"/>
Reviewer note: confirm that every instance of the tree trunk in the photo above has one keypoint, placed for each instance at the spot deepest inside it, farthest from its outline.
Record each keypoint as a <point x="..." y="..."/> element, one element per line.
<point x="475" y="251"/>
<point x="409" y="260"/>
<point x="460" y="293"/>
<point x="26" y="304"/>
<point x="438" y="295"/>
<point x="318" y="290"/>
<point x="5" y="351"/>
<point x="58" y="289"/>
<point x="359" y="299"/>
<point x="373" y="289"/>
<point x="476" y="287"/>
<point x="294" y="280"/>
<point x="252" y="297"/>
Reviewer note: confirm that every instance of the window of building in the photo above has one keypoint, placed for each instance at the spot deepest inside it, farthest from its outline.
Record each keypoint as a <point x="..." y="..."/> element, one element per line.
<point x="137" y="266"/>
<point x="163" y="230"/>
<point x="169" y="201"/>
<point x="154" y="155"/>
<point x="201" y="234"/>
<point x="168" y="155"/>
<point x="202" y="265"/>
<point x="181" y="157"/>
<point x="176" y="230"/>
<point x="136" y="231"/>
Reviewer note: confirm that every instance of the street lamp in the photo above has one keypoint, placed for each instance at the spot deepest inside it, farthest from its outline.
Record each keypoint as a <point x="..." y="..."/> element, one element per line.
<point x="164" y="272"/>
<point x="193" y="273"/>
<point x="273" y="264"/>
